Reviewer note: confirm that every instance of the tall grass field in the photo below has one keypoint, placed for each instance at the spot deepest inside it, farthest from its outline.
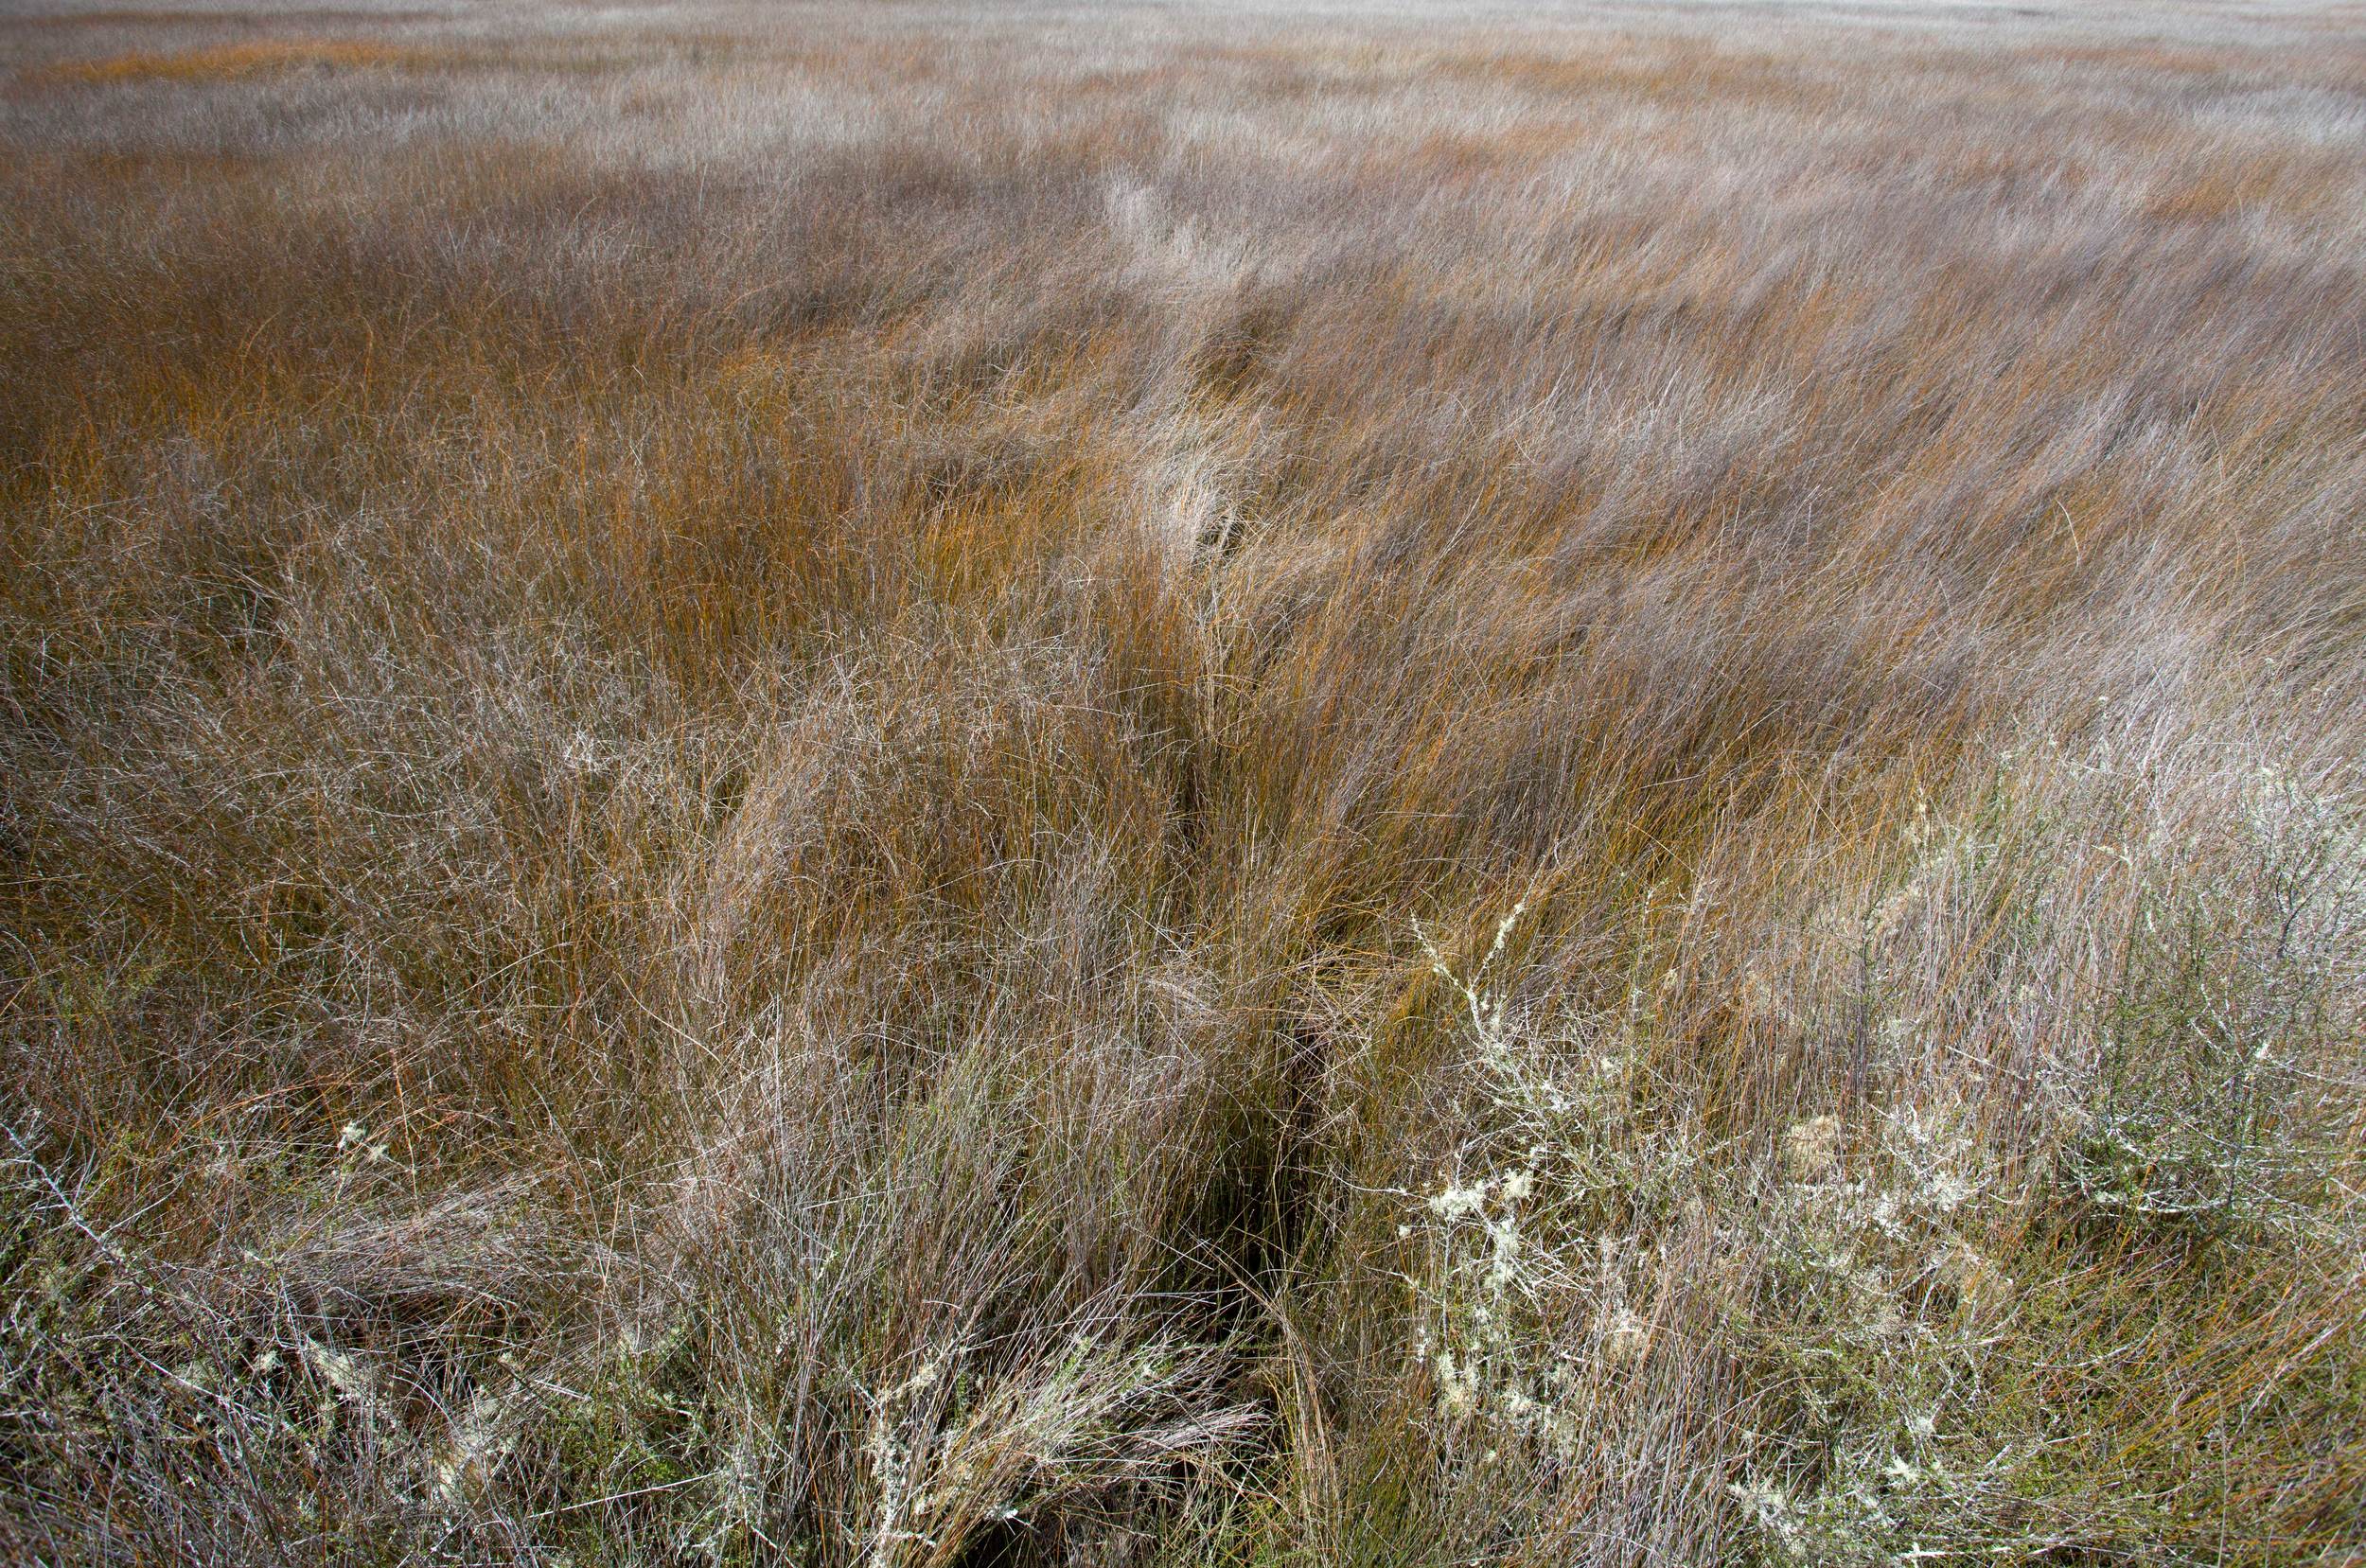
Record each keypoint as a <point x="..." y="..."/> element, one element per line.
<point x="1038" y="785"/>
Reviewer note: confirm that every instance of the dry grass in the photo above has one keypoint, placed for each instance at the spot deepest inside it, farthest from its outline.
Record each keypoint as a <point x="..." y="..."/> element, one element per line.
<point x="900" y="786"/>
<point x="230" y="62"/>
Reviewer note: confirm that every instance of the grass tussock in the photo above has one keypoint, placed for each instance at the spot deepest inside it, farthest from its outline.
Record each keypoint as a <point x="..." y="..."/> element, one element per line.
<point x="897" y="786"/>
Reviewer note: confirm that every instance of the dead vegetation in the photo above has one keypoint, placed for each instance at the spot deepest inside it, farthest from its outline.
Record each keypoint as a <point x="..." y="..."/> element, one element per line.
<point x="895" y="786"/>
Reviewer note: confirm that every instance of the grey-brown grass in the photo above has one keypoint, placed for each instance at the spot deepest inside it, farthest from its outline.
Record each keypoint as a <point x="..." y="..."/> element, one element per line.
<point x="1205" y="784"/>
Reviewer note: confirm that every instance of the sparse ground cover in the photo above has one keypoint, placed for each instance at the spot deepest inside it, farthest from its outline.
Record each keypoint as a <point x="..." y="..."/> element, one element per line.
<point x="1183" y="785"/>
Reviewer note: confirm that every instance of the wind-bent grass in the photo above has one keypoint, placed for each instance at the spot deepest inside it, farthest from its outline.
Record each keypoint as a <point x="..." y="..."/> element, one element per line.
<point x="761" y="769"/>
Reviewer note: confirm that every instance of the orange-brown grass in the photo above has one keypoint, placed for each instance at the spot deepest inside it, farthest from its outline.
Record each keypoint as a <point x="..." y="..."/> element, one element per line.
<point x="234" y="61"/>
<point x="893" y="786"/>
